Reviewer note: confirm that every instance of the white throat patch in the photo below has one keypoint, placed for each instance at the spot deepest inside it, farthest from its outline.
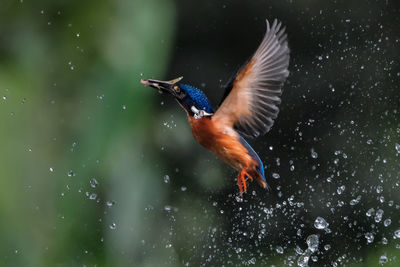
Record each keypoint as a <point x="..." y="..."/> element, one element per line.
<point x="199" y="113"/>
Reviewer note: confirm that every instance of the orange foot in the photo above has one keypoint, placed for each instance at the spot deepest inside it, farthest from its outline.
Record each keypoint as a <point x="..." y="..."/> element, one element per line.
<point x="242" y="180"/>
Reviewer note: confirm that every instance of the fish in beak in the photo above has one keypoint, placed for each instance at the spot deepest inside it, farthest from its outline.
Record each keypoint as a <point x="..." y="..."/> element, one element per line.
<point x="162" y="86"/>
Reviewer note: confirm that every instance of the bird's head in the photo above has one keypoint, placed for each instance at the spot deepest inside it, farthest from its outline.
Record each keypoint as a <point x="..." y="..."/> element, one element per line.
<point x="190" y="98"/>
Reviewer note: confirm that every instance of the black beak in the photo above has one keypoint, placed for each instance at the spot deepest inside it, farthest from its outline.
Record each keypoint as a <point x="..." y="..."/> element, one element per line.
<point x="162" y="86"/>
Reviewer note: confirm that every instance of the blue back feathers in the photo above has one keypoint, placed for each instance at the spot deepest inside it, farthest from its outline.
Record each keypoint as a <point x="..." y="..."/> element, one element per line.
<point x="197" y="98"/>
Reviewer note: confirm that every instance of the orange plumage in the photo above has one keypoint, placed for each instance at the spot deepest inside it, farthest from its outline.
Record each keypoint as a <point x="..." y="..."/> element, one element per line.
<point x="227" y="147"/>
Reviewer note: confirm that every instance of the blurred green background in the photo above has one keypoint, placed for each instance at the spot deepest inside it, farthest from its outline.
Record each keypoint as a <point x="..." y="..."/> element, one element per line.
<point x="97" y="170"/>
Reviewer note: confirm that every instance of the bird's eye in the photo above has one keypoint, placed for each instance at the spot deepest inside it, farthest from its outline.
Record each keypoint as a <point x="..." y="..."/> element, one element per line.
<point x="177" y="89"/>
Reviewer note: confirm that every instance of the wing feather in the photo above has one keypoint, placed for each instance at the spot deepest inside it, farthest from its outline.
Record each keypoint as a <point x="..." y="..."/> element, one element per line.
<point x="252" y="103"/>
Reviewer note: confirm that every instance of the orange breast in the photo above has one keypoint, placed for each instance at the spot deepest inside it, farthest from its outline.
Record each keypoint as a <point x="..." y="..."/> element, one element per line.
<point x="225" y="146"/>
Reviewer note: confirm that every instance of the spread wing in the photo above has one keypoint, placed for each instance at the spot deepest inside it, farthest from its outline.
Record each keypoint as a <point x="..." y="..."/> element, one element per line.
<point x="252" y="98"/>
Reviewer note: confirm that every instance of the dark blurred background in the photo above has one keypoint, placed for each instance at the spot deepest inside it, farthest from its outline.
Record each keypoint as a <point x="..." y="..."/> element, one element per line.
<point x="98" y="170"/>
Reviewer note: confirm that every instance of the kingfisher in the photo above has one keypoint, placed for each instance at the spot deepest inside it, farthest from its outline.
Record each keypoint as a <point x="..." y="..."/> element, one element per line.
<point x="248" y="107"/>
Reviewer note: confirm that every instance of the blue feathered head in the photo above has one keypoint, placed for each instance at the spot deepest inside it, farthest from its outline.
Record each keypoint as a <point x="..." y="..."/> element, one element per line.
<point x="193" y="100"/>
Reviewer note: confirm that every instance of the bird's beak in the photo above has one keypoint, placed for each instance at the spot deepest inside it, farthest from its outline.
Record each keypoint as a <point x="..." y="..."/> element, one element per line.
<point x="162" y="86"/>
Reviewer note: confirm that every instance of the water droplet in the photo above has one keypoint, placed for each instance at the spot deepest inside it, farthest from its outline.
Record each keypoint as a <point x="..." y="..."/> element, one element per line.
<point x="314" y="258"/>
<point x="279" y="250"/>
<point x="370" y="212"/>
<point x="110" y="203"/>
<point x="383" y="259"/>
<point x="396" y="234"/>
<point x="252" y="261"/>
<point x="387" y="222"/>
<point x="312" y="242"/>
<point x="70" y="173"/>
<point x="166" y="179"/>
<point x="298" y="250"/>
<point x="183" y="188"/>
<point x="298" y="232"/>
<point x="51" y="169"/>
<point x="397" y="146"/>
<point x="78" y="35"/>
<point x="167" y="208"/>
<point x="327" y="247"/>
<point x="341" y="189"/>
<point x="314" y="154"/>
<point x="378" y="215"/>
<point x="379" y="189"/>
<point x="370" y="237"/>
<point x="355" y="201"/>
<point x="302" y="261"/>
<point x="239" y="199"/>
<point x="320" y="223"/>
<point x="94" y="183"/>
<point x="93" y="196"/>
<point x="4" y="98"/>
<point x="113" y="226"/>
<point x="276" y="175"/>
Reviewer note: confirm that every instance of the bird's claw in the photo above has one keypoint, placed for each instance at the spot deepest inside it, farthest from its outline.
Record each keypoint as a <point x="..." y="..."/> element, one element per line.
<point x="242" y="183"/>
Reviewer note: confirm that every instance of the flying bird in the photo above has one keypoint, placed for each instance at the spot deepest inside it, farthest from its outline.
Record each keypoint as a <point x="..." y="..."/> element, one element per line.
<point x="248" y="108"/>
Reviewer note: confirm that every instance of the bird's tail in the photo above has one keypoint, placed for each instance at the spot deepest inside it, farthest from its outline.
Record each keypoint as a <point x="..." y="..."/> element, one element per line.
<point x="256" y="173"/>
